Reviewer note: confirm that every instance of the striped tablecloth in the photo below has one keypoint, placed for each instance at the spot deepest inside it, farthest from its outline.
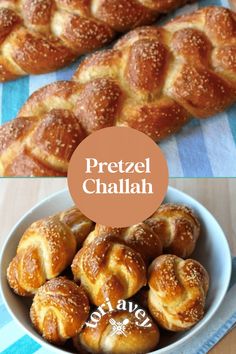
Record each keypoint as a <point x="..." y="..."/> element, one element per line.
<point x="203" y="148"/>
<point x="13" y="339"/>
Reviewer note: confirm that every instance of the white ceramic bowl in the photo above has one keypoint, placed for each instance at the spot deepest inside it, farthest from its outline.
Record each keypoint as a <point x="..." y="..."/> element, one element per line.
<point x="212" y="251"/>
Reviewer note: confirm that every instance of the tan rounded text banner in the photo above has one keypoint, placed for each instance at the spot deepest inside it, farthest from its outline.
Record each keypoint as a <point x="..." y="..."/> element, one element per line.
<point x="118" y="176"/>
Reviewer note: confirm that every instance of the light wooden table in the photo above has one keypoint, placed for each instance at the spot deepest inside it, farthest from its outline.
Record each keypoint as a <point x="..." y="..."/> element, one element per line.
<point x="218" y="195"/>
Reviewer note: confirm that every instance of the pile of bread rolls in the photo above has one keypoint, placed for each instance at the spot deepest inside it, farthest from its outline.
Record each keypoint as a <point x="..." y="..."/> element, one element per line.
<point x="70" y="267"/>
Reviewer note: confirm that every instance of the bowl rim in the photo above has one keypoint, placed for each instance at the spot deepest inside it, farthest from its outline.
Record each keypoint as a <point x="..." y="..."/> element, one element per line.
<point x="35" y="336"/>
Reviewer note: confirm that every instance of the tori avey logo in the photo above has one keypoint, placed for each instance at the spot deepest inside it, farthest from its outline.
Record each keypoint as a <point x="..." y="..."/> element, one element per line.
<point x="118" y="328"/>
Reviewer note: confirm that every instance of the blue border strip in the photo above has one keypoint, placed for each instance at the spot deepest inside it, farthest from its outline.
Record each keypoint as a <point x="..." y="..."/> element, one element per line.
<point x="219" y="334"/>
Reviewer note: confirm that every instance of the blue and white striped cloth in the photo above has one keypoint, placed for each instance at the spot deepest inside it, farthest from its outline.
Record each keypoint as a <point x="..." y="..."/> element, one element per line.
<point x="13" y="340"/>
<point x="203" y="148"/>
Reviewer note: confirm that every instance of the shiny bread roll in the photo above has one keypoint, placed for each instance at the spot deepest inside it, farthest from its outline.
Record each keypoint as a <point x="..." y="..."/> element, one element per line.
<point x="59" y="310"/>
<point x="46" y="249"/>
<point x="107" y="268"/>
<point x="178" y="228"/>
<point x="178" y="290"/>
<point x="173" y="228"/>
<point x="118" y="333"/>
<point x="139" y="237"/>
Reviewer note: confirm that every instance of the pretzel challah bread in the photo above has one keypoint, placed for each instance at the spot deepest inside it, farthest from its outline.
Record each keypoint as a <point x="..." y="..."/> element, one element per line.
<point x="178" y="228"/>
<point x="59" y="310"/>
<point x="44" y="35"/>
<point x="104" y="339"/>
<point x="173" y="228"/>
<point x="46" y="249"/>
<point x="178" y="290"/>
<point x="139" y="237"/>
<point x="154" y="79"/>
<point x="107" y="268"/>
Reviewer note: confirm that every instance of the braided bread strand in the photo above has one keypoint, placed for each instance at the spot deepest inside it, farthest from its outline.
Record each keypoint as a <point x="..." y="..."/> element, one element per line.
<point x="39" y="36"/>
<point x="153" y="80"/>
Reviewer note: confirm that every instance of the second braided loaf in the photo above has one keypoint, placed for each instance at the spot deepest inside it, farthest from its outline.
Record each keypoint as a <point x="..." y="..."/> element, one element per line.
<point x="154" y="80"/>
<point x="40" y="36"/>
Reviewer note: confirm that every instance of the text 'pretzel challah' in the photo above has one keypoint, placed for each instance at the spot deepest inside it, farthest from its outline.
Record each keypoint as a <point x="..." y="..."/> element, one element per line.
<point x="153" y="80"/>
<point x="38" y="36"/>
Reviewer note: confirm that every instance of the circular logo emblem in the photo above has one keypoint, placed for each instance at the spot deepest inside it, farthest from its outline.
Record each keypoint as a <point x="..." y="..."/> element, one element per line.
<point x="118" y="176"/>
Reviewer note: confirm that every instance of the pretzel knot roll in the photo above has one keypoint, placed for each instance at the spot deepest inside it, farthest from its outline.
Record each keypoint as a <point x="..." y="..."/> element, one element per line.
<point x="44" y="35"/>
<point x="139" y="237"/>
<point x="178" y="290"/>
<point x="46" y="248"/>
<point x="106" y="338"/>
<point x="154" y="80"/>
<point x="178" y="228"/>
<point x="59" y="310"/>
<point x="109" y="269"/>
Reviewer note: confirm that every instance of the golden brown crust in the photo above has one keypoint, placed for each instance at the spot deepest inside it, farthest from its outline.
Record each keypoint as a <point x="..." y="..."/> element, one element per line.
<point x="140" y="238"/>
<point x="177" y="292"/>
<point x="193" y="86"/>
<point x="178" y="228"/>
<point x="15" y="130"/>
<point x="78" y="223"/>
<point x="98" y="105"/>
<point x="55" y="138"/>
<point x="107" y="268"/>
<point x="24" y="164"/>
<point x="46" y="248"/>
<point x="137" y="340"/>
<point x="153" y="80"/>
<point x="173" y="228"/>
<point x="59" y="310"/>
<point x="44" y="35"/>
<point x="157" y="120"/>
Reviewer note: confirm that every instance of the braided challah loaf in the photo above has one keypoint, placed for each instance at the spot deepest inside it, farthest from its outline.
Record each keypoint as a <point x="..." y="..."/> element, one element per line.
<point x="46" y="248"/>
<point x="132" y="339"/>
<point x="59" y="310"/>
<point x="153" y="80"/>
<point x="109" y="269"/>
<point x="178" y="290"/>
<point x="38" y="36"/>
